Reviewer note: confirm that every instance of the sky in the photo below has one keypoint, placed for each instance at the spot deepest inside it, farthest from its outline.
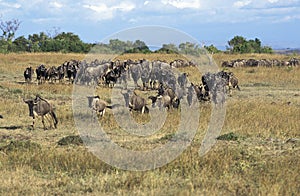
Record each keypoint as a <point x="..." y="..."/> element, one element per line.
<point x="275" y="22"/>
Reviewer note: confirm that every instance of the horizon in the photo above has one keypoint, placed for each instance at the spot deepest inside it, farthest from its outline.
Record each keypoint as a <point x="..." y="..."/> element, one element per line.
<point x="215" y="22"/>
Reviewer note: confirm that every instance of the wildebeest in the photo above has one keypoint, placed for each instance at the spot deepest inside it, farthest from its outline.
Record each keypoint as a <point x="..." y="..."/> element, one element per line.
<point x="162" y="101"/>
<point x="231" y="80"/>
<point x="40" y="107"/>
<point x="182" y="80"/>
<point x="61" y="72"/>
<point x="71" y="69"/>
<point x="99" y="105"/>
<point x="41" y="73"/>
<point x="28" y="74"/>
<point x="214" y="85"/>
<point x="51" y="74"/>
<point x="1" y="116"/>
<point x="136" y="71"/>
<point x="136" y="102"/>
<point x="199" y="90"/>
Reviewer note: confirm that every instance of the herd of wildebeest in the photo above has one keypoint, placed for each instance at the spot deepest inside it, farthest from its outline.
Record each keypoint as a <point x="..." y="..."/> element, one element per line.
<point x="167" y="85"/>
<point x="170" y="87"/>
<point x="261" y="63"/>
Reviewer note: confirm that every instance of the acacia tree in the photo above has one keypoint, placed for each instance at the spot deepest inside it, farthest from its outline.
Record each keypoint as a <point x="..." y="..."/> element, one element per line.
<point x="9" y="28"/>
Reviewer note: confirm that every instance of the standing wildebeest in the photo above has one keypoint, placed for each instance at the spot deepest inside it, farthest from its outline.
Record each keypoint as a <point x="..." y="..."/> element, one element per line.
<point x="28" y="74"/>
<point x="40" y="107"/>
<point x="60" y="73"/>
<point x="71" y="69"/>
<point x="98" y="105"/>
<point x="136" y="71"/>
<point x="41" y="73"/>
<point x="136" y="102"/>
<point x="51" y="74"/>
<point x="214" y="85"/>
<point x="231" y="80"/>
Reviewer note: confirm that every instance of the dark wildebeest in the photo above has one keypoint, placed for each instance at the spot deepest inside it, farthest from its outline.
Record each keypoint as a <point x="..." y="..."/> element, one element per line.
<point x="1" y="116"/>
<point x="182" y="80"/>
<point x="231" y="80"/>
<point x="214" y="85"/>
<point x="51" y="74"/>
<point x="40" y="107"/>
<point x="199" y="92"/>
<point x="71" y="69"/>
<point x="41" y="73"/>
<point x="28" y="74"/>
<point x="61" y="73"/>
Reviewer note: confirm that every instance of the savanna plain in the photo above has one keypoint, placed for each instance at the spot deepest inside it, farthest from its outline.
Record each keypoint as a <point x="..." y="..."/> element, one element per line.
<point x="257" y="153"/>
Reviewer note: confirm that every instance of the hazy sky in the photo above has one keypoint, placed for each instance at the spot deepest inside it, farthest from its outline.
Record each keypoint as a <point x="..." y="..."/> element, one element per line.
<point x="275" y="22"/>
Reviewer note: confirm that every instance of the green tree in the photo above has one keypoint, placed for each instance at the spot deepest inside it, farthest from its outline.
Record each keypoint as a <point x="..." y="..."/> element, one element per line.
<point x="68" y="42"/>
<point x="20" y="44"/>
<point x="239" y="44"/>
<point x="212" y="49"/>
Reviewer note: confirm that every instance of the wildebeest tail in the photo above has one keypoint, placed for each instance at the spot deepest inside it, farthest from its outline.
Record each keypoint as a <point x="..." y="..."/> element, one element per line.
<point x="54" y="118"/>
<point x="113" y="106"/>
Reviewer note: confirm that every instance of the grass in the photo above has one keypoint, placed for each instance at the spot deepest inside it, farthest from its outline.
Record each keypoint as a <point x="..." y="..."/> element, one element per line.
<point x="253" y="156"/>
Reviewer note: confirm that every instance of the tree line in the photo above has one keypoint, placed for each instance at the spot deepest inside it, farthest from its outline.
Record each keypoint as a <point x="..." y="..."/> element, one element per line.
<point x="68" y="42"/>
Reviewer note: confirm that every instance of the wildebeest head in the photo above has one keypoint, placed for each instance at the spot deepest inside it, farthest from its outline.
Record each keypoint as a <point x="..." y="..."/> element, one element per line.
<point x="90" y="100"/>
<point x="30" y="103"/>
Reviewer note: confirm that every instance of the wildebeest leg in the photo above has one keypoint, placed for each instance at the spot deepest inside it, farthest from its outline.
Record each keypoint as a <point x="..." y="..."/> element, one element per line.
<point x="102" y="113"/>
<point x="43" y="121"/>
<point x="54" y="118"/>
<point x="143" y="109"/>
<point x="33" y="119"/>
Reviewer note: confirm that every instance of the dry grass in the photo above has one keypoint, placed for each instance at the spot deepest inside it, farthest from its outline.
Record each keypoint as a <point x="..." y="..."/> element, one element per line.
<point x="263" y="117"/>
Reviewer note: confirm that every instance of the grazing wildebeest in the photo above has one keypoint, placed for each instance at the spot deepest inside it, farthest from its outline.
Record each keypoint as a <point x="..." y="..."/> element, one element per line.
<point x="41" y="73"/>
<point x="28" y="74"/>
<point x="1" y="116"/>
<point x="40" y="107"/>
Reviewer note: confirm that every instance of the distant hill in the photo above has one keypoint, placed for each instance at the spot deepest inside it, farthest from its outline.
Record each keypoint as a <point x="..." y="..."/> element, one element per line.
<point x="288" y="51"/>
